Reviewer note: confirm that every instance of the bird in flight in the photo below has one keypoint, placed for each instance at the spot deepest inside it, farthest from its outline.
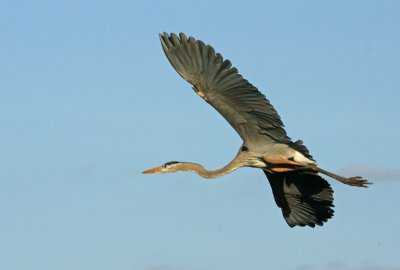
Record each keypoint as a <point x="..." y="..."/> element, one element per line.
<point x="305" y="198"/>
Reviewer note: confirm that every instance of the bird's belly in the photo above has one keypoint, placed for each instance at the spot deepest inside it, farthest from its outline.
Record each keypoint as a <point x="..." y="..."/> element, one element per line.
<point x="299" y="157"/>
<point x="283" y="152"/>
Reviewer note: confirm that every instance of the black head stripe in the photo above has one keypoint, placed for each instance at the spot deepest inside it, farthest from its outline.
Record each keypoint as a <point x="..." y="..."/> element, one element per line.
<point x="171" y="162"/>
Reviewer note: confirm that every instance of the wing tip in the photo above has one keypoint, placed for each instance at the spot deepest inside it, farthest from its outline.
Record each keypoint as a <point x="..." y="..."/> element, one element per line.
<point x="306" y="199"/>
<point x="174" y="39"/>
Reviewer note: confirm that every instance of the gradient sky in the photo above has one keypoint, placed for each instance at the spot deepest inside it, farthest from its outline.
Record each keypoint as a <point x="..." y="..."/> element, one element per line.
<point x="88" y="101"/>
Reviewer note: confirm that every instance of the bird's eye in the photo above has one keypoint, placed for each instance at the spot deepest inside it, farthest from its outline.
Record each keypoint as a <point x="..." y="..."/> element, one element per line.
<point x="164" y="165"/>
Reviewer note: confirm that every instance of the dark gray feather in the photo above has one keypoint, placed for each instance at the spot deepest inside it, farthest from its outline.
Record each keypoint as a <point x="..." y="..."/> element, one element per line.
<point x="238" y="101"/>
<point x="306" y="199"/>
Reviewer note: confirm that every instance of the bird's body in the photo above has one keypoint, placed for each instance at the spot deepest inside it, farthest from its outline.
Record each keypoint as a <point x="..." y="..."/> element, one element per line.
<point x="303" y="195"/>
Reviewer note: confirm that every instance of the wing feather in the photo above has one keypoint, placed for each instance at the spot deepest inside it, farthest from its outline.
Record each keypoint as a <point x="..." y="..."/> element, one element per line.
<point x="215" y="80"/>
<point x="306" y="199"/>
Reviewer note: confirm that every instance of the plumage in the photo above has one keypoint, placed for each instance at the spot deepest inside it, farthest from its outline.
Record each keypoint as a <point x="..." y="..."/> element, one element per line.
<point x="305" y="198"/>
<point x="237" y="100"/>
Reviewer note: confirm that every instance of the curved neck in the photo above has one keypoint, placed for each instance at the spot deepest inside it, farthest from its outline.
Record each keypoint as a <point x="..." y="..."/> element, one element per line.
<point x="242" y="159"/>
<point x="200" y="170"/>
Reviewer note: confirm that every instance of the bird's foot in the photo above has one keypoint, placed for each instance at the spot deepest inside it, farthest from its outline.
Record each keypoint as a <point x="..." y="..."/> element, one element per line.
<point x="357" y="181"/>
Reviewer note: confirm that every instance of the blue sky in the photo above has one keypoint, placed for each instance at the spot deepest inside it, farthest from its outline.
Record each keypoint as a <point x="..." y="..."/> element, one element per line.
<point x="88" y="101"/>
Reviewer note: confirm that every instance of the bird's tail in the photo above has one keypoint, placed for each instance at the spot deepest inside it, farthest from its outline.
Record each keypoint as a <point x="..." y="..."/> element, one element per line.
<point x="306" y="199"/>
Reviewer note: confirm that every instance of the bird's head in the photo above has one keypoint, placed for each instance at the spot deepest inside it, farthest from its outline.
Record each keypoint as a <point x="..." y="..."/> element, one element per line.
<point x="172" y="166"/>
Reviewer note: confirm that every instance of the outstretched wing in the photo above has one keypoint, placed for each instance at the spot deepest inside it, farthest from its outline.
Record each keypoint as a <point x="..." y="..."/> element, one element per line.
<point x="220" y="84"/>
<point x="304" y="197"/>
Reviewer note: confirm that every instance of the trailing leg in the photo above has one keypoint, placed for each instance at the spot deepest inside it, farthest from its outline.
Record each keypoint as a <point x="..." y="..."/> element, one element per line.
<point x="356" y="181"/>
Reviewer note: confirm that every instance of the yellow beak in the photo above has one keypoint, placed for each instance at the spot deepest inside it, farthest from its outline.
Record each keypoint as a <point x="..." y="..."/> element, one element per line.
<point x="153" y="170"/>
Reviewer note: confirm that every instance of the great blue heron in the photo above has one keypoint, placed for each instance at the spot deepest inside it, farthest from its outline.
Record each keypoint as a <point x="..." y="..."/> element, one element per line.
<point x="303" y="195"/>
